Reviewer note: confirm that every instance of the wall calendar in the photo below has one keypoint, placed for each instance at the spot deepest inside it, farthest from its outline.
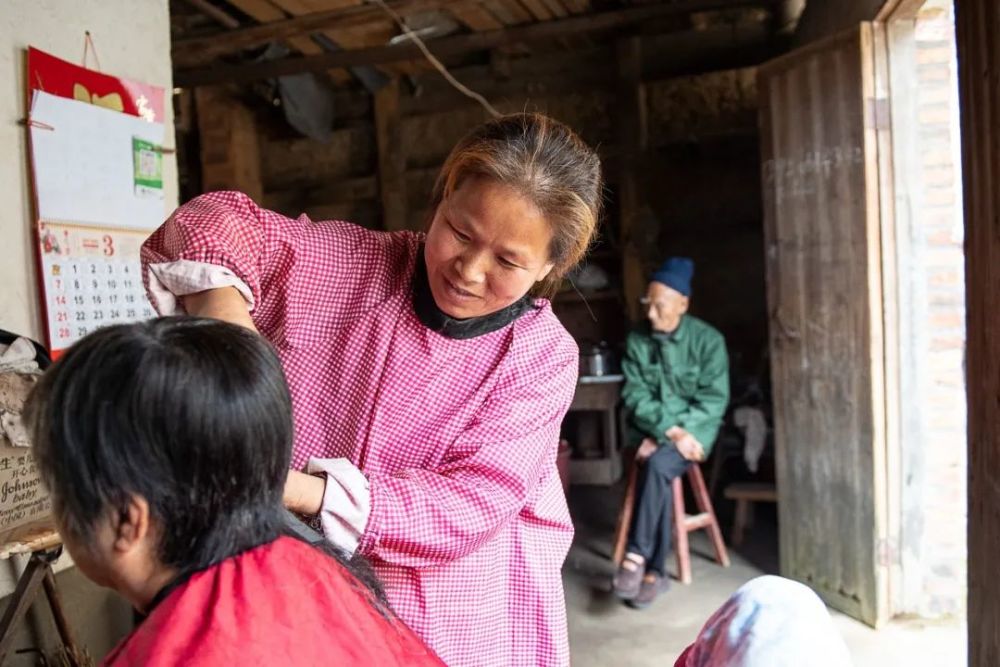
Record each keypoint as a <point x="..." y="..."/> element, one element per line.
<point x="97" y="166"/>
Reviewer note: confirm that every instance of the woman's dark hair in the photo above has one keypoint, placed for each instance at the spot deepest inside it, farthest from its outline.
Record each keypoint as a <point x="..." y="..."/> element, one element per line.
<point x="193" y="415"/>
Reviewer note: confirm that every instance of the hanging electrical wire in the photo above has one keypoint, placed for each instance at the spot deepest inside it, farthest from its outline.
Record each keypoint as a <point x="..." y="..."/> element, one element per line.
<point x="438" y="65"/>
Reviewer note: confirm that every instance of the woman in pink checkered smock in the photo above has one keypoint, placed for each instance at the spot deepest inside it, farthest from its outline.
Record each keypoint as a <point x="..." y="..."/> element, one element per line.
<point x="428" y="380"/>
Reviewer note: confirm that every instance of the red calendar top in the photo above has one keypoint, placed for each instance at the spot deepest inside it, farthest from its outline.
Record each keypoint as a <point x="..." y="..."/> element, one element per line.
<point x="58" y="77"/>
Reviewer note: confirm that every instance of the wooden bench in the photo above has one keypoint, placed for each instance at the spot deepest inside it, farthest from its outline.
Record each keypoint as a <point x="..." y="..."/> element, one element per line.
<point x="746" y="494"/>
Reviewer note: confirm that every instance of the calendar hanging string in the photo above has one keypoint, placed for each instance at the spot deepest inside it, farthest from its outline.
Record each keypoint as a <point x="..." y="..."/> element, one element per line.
<point x="88" y="48"/>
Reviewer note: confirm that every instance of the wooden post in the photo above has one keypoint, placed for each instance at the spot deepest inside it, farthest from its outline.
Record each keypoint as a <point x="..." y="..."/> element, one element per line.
<point x="633" y="139"/>
<point x="391" y="157"/>
<point x="230" y="154"/>
<point x="977" y="23"/>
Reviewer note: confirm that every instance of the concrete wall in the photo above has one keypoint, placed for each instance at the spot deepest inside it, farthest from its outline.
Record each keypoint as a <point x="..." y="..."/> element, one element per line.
<point x="132" y="38"/>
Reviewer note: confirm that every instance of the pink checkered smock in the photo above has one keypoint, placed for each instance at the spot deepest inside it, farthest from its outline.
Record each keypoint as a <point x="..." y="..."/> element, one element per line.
<point x="468" y="527"/>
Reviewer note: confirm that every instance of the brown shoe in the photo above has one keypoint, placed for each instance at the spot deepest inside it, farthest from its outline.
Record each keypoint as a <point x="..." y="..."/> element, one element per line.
<point x="650" y="588"/>
<point x="628" y="581"/>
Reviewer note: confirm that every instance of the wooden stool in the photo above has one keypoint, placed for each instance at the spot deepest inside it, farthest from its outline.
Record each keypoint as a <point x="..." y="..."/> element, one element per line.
<point x="745" y="495"/>
<point x="683" y="523"/>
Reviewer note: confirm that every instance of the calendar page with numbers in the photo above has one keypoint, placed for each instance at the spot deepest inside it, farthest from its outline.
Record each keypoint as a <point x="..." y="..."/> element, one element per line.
<point x="92" y="278"/>
<point x="99" y="188"/>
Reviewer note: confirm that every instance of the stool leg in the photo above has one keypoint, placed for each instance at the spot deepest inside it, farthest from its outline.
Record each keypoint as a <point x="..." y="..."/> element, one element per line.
<point x="740" y="521"/>
<point x="705" y="506"/>
<point x="680" y="533"/>
<point x="625" y="515"/>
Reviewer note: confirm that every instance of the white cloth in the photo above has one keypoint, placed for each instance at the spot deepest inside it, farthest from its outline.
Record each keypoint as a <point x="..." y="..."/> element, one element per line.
<point x="18" y="357"/>
<point x="170" y="280"/>
<point x="751" y="421"/>
<point x="346" y="502"/>
<point x="18" y="369"/>
<point x="772" y="622"/>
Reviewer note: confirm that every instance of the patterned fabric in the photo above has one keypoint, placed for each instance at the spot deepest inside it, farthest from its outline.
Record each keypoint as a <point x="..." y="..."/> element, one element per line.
<point x="768" y="621"/>
<point x="234" y="614"/>
<point x="468" y="526"/>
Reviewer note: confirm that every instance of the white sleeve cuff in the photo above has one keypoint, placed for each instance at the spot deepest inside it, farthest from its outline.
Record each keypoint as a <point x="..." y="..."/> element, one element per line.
<point x="169" y="280"/>
<point x="346" y="502"/>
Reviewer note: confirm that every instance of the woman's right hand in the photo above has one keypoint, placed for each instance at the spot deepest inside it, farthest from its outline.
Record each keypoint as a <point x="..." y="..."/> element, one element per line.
<point x="223" y="303"/>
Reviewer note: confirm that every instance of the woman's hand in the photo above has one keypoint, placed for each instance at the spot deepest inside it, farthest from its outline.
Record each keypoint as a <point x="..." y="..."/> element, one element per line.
<point x="304" y="493"/>
<point x="223" y="303"/>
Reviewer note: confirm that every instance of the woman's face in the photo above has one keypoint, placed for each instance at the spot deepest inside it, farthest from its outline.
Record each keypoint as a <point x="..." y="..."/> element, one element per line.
<point x="486" y="247"/>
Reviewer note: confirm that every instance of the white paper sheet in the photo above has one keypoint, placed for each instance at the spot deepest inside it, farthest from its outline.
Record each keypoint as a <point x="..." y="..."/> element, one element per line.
<point x="83" y="166"/>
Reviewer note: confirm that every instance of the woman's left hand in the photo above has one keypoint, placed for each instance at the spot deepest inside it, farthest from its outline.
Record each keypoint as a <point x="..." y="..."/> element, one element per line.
<point x="304" y="493"/>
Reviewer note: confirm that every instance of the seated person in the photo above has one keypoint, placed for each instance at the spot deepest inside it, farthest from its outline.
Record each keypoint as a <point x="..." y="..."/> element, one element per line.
<point x="769" y="621"/>
<point x="675" y="394"/>
<point x="166" y="446"/>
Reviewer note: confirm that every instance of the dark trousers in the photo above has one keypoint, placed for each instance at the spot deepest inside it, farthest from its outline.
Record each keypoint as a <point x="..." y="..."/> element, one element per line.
<point x="650" y="533"/>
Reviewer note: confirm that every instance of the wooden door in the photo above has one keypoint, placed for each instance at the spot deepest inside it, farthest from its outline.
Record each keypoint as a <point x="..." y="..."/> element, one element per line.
<point x="977" y="26"/>
<point x="820" y="144"/>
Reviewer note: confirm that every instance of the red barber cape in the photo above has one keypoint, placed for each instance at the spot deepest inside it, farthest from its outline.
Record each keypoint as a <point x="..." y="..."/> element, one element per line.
<point x="283" y="604"/>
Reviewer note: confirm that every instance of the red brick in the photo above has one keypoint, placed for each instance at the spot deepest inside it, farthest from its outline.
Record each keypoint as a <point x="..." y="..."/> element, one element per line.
<point x="945" y="277"/>
<point x="935" y="114"/>
<point x="939" y="236"/>
<point x="933" y="73"/>
<point x="938" y="175"/>
<point x="947" y="301"/>
<point x="947" y="343"/>
<point x="934" y="94"/>
<point x="935" y="157"/>
<point x="933" y="52"/>
<point x="938" y="217"/>
<point x="949" y="298"/>
<point x="939" y="196"/>
<point x="945" y="257"/>
<point x="947" y="320"/>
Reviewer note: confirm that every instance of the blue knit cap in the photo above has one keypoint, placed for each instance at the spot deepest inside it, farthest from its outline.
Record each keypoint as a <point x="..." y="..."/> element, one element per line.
<point x="676" y="273"/>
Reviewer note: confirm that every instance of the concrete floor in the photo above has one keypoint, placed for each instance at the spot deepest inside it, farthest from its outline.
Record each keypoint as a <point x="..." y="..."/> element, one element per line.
<point x="605" y="633"/>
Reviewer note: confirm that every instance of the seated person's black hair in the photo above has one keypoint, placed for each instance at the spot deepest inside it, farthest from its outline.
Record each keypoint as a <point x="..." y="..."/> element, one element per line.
<point x="194" y="415"/>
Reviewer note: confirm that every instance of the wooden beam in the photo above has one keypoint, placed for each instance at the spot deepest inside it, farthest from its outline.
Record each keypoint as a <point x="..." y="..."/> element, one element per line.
<point x="199" y="49"/>
<point x="265" y="12"/>
<point x="633" y="140"/>
<point x="220" y="16"/>
<point x="455" y="45"/>
<point x="474" y="16"/>
<point x="391" y="157"/>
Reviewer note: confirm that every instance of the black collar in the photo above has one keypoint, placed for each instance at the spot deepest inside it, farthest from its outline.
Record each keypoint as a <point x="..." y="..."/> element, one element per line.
<point x="436" y="320"/>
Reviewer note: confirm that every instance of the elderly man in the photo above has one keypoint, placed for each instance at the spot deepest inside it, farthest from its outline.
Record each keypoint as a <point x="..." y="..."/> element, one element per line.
<point x="676" y="391"/>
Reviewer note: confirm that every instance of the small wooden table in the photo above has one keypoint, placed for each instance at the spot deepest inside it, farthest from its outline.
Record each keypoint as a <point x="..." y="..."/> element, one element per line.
<point x="599" y="393"/>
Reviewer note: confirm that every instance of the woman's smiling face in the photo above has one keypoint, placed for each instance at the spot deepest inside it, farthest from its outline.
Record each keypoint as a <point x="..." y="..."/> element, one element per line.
<point x="487" y="246"/>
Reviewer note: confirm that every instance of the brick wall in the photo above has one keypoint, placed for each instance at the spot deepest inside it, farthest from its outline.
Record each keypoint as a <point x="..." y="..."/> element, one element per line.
<point x="938" y="234"/>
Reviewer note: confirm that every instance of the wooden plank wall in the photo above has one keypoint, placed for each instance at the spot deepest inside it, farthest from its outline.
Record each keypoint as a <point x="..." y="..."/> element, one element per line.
<point x="977" y="27"/>
<point x="399" y="141"/>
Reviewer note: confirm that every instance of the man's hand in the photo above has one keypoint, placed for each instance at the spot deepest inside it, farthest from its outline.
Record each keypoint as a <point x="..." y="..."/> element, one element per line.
<point x="647" y="448"/>
<point x="675" y="433"/>
<point x="686" y="444"/>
